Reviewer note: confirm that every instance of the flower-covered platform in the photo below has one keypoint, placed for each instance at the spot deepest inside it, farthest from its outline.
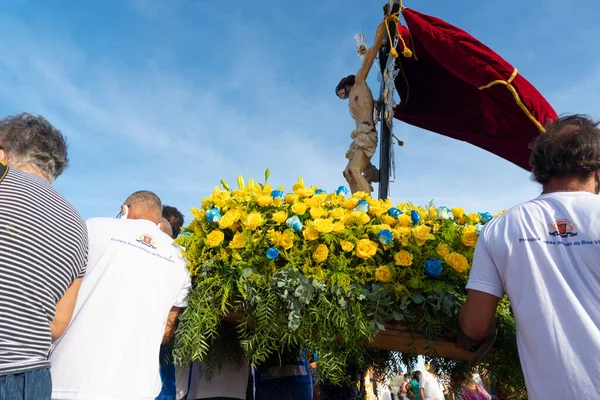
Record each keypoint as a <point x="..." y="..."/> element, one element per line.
<point x="333" y="273"/>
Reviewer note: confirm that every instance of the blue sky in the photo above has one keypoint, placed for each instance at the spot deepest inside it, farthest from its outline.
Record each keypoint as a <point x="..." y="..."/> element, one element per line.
<point x="172" y="96"/>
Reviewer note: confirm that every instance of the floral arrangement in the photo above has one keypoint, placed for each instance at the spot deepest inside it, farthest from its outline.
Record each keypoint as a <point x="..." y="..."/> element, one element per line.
<point x="324" y="271"/>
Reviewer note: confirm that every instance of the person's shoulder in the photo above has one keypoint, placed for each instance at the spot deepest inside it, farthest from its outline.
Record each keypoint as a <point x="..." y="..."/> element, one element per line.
<point x="100" y="222"/>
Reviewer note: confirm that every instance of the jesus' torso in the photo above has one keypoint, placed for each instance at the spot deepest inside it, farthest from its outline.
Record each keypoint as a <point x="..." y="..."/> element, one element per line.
<point x="360" y="102"/>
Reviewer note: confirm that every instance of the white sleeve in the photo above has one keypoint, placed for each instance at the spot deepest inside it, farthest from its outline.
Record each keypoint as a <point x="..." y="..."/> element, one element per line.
<point x="183" y="292"/>
<point x="484" y="275"/>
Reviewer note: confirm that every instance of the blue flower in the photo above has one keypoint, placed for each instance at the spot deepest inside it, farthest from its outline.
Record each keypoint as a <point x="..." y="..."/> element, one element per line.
<point x="213" y="214"/>
<point x="394" y="212"/>
<point x="343" y="190"/>
<point x="444" y="213"/>
<point x="362" y="206"/>
<point x="485" y="217"/>
<point x="385" y="237"/>
<point x="272" y="253"/>
<point x="415" y="216"/>
<point x="277" y="194"/>
<point x="478" y="229"/>
<point x="433" y="267"/>
<point x="319" y="191"/>
<point x="295" y="223"/>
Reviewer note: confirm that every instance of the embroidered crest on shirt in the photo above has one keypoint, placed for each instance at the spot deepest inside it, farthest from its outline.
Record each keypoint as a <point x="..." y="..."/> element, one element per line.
<point x="147" y="240"/>
<point x="563" y="228"/>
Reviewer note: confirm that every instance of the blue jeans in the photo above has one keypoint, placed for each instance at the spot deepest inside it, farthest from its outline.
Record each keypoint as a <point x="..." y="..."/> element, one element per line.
<point x="167" y="374"/>
<point x="32" y="385"/>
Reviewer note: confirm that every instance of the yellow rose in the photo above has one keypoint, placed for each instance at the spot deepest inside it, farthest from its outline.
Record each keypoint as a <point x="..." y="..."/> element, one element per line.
<point x="317" y="212"/>
<point x="280" y="217"/>
<point x="291" y="198"/>
<point x="253" y="221"/>
<point x="238" y="241"/>
<point x="310" y="233"/>
<point x="198" y="214"/>
<point x="422" y="233"/>
<point x="274" y="237"/>
<point x="391" y="221"/>
<point x="215" y="238"/>
<point x="361" y="217"/>
<point x="403" y="258"/>
<point x="366" y="248"/>
<point x="457" y="261"/>
<point x="350" y="204"/>
<point x="305" y="192"/>
<point x="229" y="219"/>
<point x="347" y="246"/>
<point x="266" y="190"/>
<point x="401" y="232"/>
<point x="432" y="212"/>
<point x="298" y="186"/>
<point x="458" y="212"/>
<point x="347" y="219"/>
<point x="278" y="202"/>
<point x="469" y="236"/>
<point x="263" y="201"/>
<point x="377" y="210"/>
<point x="338" y="213"/>
<point x="323" y="225"/>
<point x="383" y="274"/>
<point x="287" y="240"/>
<point x="436" y="227"/>
<point x="339" y="227"/>
<point x="443" y="250"/>
<point x="405" y="220"/>
<point x="475" y="218"/>
<point x="299" y="208"/>
<point x="321" y="253"/>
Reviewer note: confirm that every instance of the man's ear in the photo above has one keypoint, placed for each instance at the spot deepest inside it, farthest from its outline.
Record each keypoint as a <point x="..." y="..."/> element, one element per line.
<point x="124" y="211"/>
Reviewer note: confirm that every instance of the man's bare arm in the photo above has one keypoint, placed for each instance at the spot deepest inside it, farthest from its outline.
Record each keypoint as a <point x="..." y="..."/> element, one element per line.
<point x="64" y="310"/>
<point x="477" y="314"/>
<point x="363" y="72"/>
<point x="171" y="326"/>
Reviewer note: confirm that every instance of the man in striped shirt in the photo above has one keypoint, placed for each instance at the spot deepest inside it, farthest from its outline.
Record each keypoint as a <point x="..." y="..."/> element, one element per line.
<point x="43" y="253"/>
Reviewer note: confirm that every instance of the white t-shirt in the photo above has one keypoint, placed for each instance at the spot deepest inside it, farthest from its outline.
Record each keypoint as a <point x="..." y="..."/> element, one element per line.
<point x="545" y="255"/>
<point x="135" y="275"/>
<point x="432" y="386"/>
<point x="231" y="383"/>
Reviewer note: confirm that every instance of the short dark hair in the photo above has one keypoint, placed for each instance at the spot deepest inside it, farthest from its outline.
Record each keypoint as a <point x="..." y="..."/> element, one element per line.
<point x="569" y="147"/>
<point x="347" y="81"/>
<point x="174" y="217"/>
<point x="31" y="140"/>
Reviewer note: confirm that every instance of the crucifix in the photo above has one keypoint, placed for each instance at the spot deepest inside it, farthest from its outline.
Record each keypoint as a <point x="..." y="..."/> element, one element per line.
<point x="360" y="172"/>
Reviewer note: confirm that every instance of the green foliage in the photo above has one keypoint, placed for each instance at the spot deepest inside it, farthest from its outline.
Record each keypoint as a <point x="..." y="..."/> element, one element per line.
<point x="324" y="292"/>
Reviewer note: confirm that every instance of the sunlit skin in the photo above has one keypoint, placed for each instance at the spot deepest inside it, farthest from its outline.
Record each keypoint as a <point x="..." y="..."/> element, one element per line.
<point x="361" y="108"/>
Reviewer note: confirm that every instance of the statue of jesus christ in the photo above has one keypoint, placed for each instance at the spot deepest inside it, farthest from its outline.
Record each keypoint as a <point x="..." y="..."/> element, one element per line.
<point x="360" y="172"/>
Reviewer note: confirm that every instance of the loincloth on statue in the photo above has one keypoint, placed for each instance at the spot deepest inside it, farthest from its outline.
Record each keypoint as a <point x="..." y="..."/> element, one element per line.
<point x="365" y="139"/>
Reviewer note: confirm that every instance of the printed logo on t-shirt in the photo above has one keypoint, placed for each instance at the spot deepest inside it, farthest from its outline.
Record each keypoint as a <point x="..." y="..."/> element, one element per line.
<point x="563" y="228"/>
<point x="147" y="240"/>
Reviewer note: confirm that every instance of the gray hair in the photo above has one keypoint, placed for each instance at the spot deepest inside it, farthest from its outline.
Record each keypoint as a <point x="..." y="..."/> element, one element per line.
<point x="165" y="226"/>
<point x="31" y="140"/>
<point x="146" y="200"/>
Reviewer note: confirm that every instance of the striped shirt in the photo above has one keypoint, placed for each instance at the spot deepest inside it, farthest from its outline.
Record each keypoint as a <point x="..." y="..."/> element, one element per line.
<point x="43" y="249"/>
